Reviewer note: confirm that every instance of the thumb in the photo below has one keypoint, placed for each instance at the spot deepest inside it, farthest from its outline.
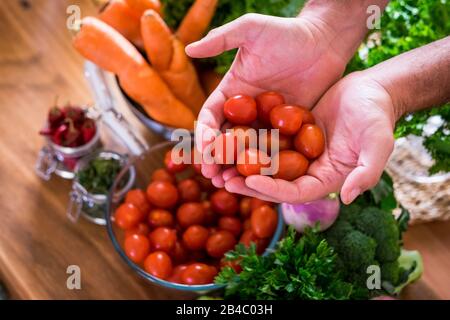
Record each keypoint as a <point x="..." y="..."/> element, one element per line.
<point x="372" y="160"/>
<point x="229" y="36"/>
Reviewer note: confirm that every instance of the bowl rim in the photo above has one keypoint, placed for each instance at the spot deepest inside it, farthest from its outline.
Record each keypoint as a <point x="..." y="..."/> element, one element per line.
<point x="172" y="285"/>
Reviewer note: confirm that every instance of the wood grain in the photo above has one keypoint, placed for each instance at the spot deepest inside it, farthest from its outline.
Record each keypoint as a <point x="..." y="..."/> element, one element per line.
<point x="37" y="242"/>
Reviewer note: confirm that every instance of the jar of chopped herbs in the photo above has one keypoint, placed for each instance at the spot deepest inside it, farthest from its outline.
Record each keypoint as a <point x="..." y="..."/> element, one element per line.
<point x="94" y="176"/>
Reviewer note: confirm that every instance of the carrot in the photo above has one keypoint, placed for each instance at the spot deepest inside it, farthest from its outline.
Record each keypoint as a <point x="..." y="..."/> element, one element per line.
<point x="196" y="21"/>
<point x="141" y="5"/>
<point x="121" y="17"/>
<point x="106" y="47"/>
<point x="167" y="55"/>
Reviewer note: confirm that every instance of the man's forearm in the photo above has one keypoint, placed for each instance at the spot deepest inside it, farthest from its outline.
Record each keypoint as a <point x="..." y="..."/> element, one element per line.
<point x="417" y="79"/>
<point x="347" y="20"/>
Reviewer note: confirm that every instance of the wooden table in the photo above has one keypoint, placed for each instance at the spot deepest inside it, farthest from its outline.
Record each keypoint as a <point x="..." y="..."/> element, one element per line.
<point x="37" y="242"/>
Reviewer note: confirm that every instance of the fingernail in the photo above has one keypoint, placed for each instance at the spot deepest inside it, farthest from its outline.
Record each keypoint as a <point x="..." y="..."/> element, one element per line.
<point x="353" y="195"/>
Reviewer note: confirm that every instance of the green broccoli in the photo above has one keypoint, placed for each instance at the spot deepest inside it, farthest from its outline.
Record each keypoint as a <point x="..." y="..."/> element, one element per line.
<point x="371" y="236"/>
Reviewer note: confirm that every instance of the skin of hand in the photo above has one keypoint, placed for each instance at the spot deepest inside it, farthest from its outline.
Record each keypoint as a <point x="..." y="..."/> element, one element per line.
<point x="296" y="57"/>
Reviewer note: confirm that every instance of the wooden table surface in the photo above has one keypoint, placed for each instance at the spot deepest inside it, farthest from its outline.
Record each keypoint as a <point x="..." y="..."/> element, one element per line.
<point x="37" y="242"/>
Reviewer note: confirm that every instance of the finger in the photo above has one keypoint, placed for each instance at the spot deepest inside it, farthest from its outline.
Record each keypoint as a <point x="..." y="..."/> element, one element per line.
<point x="372" y="160"/>
<point x="229" y="173"/>
<point x="218" y="181"/>
<point x="304" y="189"/>
<point x="237" y="185"/>
<point x="229" y="36"/>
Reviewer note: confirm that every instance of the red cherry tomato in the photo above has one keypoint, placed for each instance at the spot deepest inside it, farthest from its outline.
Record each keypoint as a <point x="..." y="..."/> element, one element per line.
<point x="205" y="184"/>
<point x="210" y="215"/>
<point x="255" y="203"/>
<point x="244" y="207"/>
<point x="251" y="161"/>
<point x="162" y="194"/>
<point x="219" y="243"/>
<point x="265" y="102"/>
<point x="197" y="168"/>
<point x="291" y="165"/>
<point x="128" y="216"/>
<point x="141" y="229"/>
<point x="247" y="224"/>
<point x="171" y="166"/>
<point x="267" y="140"/>
<point x="160" y="218"/>
<point x="137" y="247"/>
<point x="190" y="213"/>
<point x="231" y="224"/>
<point x="240" y="109"/>
<point x="198" y="273"/>
<point x="248" y="237"/>
<point x="264" y="221"/>
<point x="179" y="252"/>
<point x="310" y="141"/>
<point x="233" y="264"/>
<point x="286" y="118"/>
<point x="163" y="239"/>
<point x="138" y="198"/>
<point x="195" y="237"/>
<point x="176" y="273"/>
<point x="189" y="190"/>
<point x="224" y="203"/>
<point x="158" y="264"/>
<point x="244" y="136"/>
<point x="307" y="116"/>
<point x="162" y="175"/>
<point x="225" y="148"/>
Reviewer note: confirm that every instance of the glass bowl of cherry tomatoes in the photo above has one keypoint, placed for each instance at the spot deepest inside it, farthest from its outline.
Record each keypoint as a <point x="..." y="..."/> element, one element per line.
<point x="174" y="227"/>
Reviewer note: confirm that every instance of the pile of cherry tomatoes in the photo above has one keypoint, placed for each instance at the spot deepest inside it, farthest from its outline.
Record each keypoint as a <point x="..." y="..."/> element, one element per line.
<point x="300" y="139"/>
<point x="179" y="229"/>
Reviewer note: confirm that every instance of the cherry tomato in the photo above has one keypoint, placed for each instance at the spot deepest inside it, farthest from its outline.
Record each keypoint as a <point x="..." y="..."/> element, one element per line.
<point x="266" y="141"/>
<point x="195" y="237"/>
<point x="233" y="264"/>
<point x="179" y="252"/>
<point x="310" y="141"/>
<point x="224" y="202"/>
<point x="231" y="224"/>
<point x="137" y="247"/>
<point x="255" y="203"/>
<point x="190" y="213"/>
<point x="128" y="216"/>
<point x="247" y="224"/>
<point x="225" y="148"/>
<point x="291" y="165"/>
<point x="171" y="166"/>
<point x="138" y="198"/>
<point x="265" y="102"/>
<point x="162" y="194"/>
<point x="244" y="207"/>
<point x="244" y="137"/>
<point x="176" y="273"/>
<point x="210" y="215"/>
<point x="286" y="118"/>
<point x="307" y="116"/>
<point x="163" y="239"/>
<point x="198" y="273"/>
<point x="219" y="243"/>
<point x="197" y="168"/>
<point x="142" y="229"/>
<point x="205" y="184"/>
<point x="240" y="109"/>
<point x="160" y="218"/>
<point x="158" y="264"/>
<point x="264" y="221"/>
<point x="189" y="190"/>
<point x="251" y="161"/>
<point x="162" y="175"/>
<point x="248" y="237"/>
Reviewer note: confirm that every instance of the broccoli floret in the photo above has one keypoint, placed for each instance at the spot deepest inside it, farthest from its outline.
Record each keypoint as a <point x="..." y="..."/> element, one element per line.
<point x="349" y="213"/>
<point x="390" y="271"/>
<point x="335" y="234"/>
<point x="381" y="226"/>
<point x="357" y="250"/>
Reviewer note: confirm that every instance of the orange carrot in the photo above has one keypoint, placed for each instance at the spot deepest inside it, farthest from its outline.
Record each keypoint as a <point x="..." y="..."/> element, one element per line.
<point x="106" y="47"/>
<point x="196" y="21"/>
<point x="167" y="55"/>
<point x="121" y="17"/>
<point x="141" y="5"/>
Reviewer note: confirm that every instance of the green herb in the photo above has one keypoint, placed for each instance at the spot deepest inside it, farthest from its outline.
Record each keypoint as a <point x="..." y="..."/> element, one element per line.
<point x="409" y="24"/>
<point x="99" y="175"/>
<point x="304" y="268"/>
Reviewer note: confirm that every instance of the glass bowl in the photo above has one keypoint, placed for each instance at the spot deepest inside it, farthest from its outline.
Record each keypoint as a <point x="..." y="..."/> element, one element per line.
<point x="144" y="166"/>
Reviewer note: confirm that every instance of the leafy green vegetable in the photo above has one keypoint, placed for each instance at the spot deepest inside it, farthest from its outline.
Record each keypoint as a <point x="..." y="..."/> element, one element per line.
<point x="305" y="268"/>
<point x="99" y="175"/>
<point x="409" y="24"/>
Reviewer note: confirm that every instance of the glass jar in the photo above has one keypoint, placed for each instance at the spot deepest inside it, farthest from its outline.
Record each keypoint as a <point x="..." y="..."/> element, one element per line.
<point x="93" y="206"/>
